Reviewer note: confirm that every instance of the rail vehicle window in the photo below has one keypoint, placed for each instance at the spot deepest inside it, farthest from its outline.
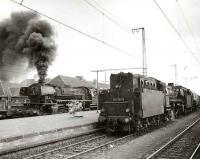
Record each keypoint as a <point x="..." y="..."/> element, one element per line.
<point x="181" y="92"/>
<point x="124" y="81"/>
<point x="189" y="92"/>
<point x="142" y="83"/>
<point x="135" y="83"/>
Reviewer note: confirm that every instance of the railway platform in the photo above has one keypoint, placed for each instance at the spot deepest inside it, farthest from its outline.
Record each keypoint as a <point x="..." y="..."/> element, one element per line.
<point x="23" y="132"/>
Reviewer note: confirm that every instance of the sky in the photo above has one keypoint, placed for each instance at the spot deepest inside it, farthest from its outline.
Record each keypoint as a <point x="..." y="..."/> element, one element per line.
<point x="78" y="55"/>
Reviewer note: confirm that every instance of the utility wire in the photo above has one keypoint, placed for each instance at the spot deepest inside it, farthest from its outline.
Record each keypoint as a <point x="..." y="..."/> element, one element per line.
<point x="74" y="29"/>
<point x="172" y="25"/>
<point x="8" y="69"/>
<point x="111" y="19"/>
<point x="12" y="71"/>
<point x="116" y="22"/>
<point x="187" y="24"/>
<point x="2" y="65"/>
<point x="111" y="15"/>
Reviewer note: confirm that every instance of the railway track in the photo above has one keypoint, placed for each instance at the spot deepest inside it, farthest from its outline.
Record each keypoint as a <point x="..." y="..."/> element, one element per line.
<point x="49" y="146"/>
<point x="196" y="153"/>
<point x="185" y="145"/>
<point x="91" y="148"/>
<point x="92" y="143"/>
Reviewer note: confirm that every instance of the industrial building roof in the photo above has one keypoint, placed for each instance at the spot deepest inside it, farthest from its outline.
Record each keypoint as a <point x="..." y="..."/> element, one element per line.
<point x="67" y="81"/>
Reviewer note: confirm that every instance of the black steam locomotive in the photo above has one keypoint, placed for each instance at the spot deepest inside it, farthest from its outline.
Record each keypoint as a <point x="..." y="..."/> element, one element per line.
<point x="181" y="99"/>
<point x="135" y="102"/>
<point x="51" y="99"/>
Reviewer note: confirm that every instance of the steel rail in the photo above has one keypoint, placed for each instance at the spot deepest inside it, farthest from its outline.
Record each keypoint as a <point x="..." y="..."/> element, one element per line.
<point x="193" y="154"/>
<point x="154" y="154"/>
<point x="29" y="147"/>
<point x="98" y="147"/>
<point x="62" y="148"/>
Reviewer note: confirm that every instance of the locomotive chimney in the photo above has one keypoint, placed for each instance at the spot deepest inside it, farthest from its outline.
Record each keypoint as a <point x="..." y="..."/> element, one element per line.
<point x="41" y="81"/>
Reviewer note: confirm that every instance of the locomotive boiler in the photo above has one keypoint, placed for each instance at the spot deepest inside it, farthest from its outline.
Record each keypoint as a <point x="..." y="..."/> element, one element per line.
<point x="133" y="103"/>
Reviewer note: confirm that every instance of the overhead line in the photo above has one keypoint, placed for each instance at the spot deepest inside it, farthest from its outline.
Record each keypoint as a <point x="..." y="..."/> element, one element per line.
<point x="114" y="21"/>
<point x="118" y="69"/>
<point x="74" y="29"/>
<point x="126" y="29"/>
<point x="172" y="25"/>
<point x="12" y="65"/>
<point x="12" y="71"/>
<point x="187" y="24"/>
<point x="108" y="12"/>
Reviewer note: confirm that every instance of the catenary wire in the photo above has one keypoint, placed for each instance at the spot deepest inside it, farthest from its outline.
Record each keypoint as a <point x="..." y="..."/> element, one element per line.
<point x="187" y="24"/>
<point x="79" y="31"/>
<point x="172" y="25"/>
<point x="110" y="17"/>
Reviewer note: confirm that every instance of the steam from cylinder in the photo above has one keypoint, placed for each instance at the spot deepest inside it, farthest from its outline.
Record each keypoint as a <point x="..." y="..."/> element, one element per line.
<point x="25" y="39"/>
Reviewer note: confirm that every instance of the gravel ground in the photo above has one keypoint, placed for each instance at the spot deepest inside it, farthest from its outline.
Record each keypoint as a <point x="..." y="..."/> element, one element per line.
<point x="144" y="145"/>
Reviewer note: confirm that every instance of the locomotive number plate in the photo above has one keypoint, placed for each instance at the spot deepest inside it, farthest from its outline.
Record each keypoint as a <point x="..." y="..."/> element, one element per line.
<point x="118" y="99"/>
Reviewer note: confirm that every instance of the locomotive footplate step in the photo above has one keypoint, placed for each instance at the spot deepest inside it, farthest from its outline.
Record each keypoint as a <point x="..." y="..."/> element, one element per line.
<point x="23" y="132"/>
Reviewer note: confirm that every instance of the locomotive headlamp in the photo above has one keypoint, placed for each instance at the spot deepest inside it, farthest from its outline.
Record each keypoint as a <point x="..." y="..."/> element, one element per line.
<point x="102" y="110"/>
<point x="117" y="86"/>
<point x="127" y="110"/>
<point x="126" y="120"/>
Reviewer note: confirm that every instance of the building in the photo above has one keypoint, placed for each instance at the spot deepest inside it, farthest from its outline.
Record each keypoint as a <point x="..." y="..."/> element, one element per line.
<point x="66" y="81"/>
<point x="28" y="82"/>
<point x="100" y="85"/>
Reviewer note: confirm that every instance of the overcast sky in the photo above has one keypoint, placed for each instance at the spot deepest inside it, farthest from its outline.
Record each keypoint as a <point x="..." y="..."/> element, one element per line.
<point x="78" y="54"/>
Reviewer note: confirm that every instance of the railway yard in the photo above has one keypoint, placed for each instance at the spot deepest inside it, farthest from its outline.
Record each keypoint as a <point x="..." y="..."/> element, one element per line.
<point x="53" y="107"/>
<point x="138" y="117"/>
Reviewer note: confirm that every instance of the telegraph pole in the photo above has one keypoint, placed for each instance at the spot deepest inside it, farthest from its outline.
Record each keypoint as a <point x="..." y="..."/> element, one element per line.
<point x="144" y="60"/>
<point x="97" y="86"/>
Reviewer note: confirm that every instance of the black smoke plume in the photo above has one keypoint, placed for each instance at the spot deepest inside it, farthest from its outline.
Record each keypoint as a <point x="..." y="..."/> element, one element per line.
<point x="25" y="38"/>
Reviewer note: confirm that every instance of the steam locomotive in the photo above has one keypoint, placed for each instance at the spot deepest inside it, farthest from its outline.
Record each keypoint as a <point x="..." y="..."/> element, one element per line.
<point x="181" y="99"/>
<point x="47" y="99"/>
<point x="135" y="102"/>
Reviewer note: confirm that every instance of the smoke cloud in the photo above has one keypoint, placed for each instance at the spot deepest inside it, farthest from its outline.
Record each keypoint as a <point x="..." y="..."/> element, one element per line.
<point x="25" y="39"/>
